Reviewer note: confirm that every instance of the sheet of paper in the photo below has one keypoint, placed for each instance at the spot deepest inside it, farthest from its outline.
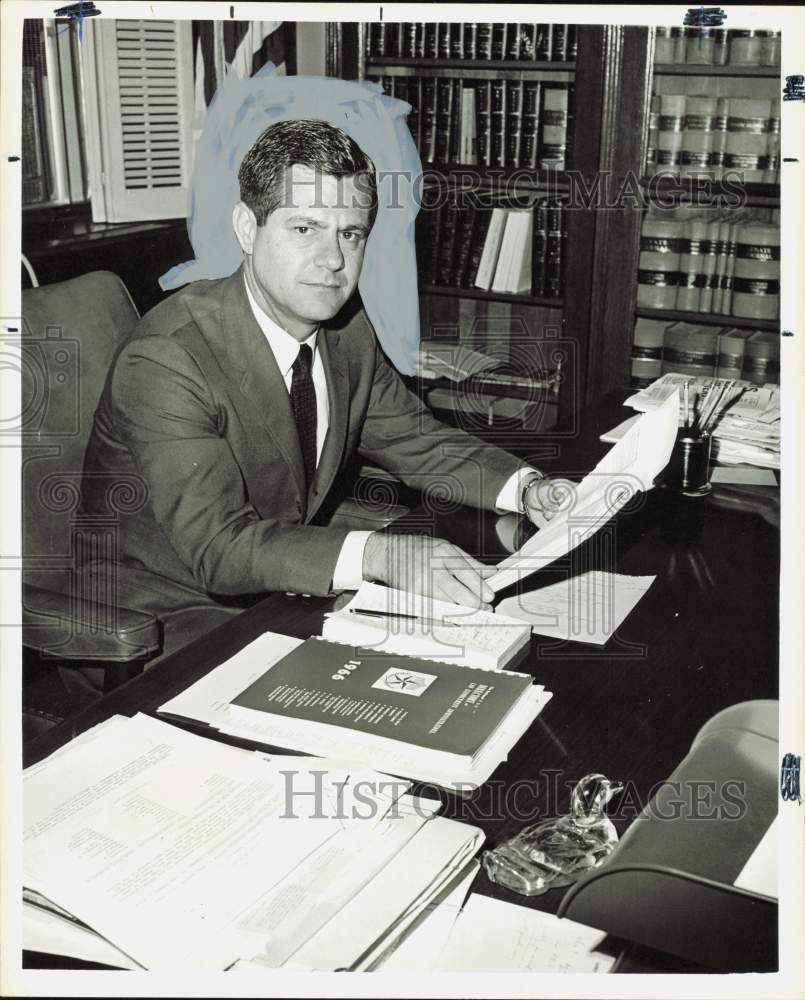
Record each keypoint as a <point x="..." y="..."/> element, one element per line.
<point x="422" y="948"/>
<point x="740" y="476"/>
<point x="760" y="873"/>
<point x="398" y="893"/>
<point x="53" y="935"/>
<point x="585" y="608"/>
<point x="163" y="829"/>
<point x="493" y="936"/>
<point x="465" y="635"/>
<point x="204" y="699"/>
<point x="628" y="467"/>
<point x="617" y="432"/>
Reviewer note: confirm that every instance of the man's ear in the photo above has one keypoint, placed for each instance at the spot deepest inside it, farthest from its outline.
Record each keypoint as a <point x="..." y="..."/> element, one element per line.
<point x="245" y="226"/>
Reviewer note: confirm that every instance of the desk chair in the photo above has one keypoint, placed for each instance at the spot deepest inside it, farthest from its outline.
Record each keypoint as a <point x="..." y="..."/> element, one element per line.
<point x="79" y="639"/>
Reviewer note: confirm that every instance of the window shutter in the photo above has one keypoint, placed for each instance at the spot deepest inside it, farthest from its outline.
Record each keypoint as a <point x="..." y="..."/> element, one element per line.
<point x="138" y="79"/>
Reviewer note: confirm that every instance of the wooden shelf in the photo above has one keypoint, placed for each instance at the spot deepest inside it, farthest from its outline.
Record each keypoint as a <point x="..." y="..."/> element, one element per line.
<point x="481" y="68"/>
<point x="711" y="319"/>
<point x="695" y="69"/>
<point x="479" y="293"/>
<point x="756" y="194"/>
<point x="517" y="178"/>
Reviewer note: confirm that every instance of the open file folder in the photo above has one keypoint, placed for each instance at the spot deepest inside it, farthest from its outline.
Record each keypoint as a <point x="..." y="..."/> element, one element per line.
<point x="184" y="853"/>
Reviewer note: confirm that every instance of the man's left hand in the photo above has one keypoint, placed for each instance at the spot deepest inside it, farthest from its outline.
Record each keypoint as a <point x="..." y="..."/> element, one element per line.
<point x="545" y="498"/>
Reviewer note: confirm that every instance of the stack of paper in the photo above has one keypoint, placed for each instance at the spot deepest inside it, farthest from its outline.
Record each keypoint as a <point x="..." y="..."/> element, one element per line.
<point x="149" y="847"/>
<point x="493" y="936"/>
<point x="451" y="360"/>
<point x="389" y="717"/>
<point x="629" y="467"/>
<point x="414" y="625"/>
<point x="748" y="427"/>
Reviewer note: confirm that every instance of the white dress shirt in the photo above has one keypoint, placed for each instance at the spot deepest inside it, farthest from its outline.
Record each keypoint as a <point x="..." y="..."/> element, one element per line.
<point x="348" y="572"/>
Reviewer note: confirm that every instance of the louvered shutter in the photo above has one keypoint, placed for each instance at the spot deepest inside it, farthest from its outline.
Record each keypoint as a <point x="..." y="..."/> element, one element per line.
<point x="139" y="100"/>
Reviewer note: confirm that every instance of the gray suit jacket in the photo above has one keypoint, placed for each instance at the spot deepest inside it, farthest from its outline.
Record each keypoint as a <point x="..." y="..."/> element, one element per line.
<point x="195" y="405"/>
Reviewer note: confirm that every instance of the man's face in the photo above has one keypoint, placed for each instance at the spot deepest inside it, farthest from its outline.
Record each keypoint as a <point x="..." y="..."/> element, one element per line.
<point x="304" y="263"/>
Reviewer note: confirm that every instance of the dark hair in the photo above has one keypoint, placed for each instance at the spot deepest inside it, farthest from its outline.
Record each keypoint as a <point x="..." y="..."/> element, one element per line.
<point x="315" y="144"/>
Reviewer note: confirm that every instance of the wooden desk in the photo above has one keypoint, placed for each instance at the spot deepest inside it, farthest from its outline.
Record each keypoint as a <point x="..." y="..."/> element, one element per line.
<point x="705" y="636"/>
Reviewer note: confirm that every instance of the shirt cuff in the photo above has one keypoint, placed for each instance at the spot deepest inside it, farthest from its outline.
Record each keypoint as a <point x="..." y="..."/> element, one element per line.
<point x="509" y="496"/>
<point x="348" y="572"/>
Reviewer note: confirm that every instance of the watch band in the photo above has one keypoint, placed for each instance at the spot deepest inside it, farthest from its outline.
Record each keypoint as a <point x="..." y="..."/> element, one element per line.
<point x="535" y="478"/>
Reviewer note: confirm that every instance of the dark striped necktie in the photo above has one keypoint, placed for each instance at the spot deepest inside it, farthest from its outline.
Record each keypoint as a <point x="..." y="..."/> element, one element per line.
<point x="303" y="404"/>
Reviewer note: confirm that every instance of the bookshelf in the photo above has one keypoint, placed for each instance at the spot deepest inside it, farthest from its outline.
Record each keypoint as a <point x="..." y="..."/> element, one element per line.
<point x="536" y="326"/>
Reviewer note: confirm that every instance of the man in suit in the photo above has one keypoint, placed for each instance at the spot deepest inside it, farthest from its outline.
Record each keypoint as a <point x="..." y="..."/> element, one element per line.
<point x="239" y="401"/>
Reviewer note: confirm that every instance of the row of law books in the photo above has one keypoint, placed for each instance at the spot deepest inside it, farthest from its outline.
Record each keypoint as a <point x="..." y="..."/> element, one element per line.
<point x="659" y="348"/>
<point x="493" y="123"/>
<point x="717" y="46"/>
<point x="514" y="250"/>
<point x="715" y="262"/>
<point x="714" y="137"/>
<point x="481" y="40"/>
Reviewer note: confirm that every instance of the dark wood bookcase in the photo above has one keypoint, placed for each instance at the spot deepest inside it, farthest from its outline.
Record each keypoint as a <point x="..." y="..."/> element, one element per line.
<point x="593" y="322"/>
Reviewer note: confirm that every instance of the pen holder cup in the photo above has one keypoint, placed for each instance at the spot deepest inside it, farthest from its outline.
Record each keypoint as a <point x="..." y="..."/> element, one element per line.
<point x="688" y="470"/>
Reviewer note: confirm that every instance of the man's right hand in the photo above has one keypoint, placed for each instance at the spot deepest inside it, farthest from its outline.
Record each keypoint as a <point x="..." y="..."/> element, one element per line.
<point x="429" y="566"/>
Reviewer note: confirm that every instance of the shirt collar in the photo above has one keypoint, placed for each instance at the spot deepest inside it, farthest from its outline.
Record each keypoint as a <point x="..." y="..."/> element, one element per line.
<point x="284" y="347"/>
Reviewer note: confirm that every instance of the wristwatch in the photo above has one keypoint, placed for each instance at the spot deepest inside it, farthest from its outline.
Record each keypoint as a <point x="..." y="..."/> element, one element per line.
<point x="535" y="478"/>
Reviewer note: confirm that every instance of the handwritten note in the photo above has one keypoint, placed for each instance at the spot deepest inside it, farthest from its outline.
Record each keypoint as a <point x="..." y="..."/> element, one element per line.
<point x="493" y="936"/>
<point x="585" y="608"/>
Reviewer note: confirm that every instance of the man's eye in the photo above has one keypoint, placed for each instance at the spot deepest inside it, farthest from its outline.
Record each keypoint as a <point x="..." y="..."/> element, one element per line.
<point x="350" y="236"/>
<point x="302" y="229"/>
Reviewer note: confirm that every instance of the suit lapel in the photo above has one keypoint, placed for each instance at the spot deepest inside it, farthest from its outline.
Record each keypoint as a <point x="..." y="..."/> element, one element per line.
<point x="257" y="377"/>
<point x="336" y="371"/>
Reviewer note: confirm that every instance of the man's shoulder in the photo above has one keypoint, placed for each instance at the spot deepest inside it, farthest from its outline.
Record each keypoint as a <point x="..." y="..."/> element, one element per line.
<point x="182" y="310"/>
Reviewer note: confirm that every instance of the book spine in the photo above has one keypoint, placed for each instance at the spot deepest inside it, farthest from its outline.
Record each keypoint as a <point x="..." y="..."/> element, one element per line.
<point x="572" y="42"/>
<point x="444" y="40"/>
<point x="540" y="254"/>
<point x="771" y="174"/>
<point x="647" y="345"/>
<point x="431" y="40"/>
<point x="544" y="42"/>
<point x="697" y="137"/>
<point x="689" y="351"/>
<point x="747" y="140"/>
<point x="651" y="145"/>
<point x="731" y="344"/>
<point x="444" y="114"/>
<point x="514" y="127"/>
<point x="756" y="279"/>
<point x="721" y="264"/>
<point x="720" y="137"/>
<point x="446" y="262"/>
<point x="499" y="41"/>
<point x="691" y="264"/>
<point x="559" y="43"/>
<point x="479" y="231"/>
<point x="468" y="144"/>
<point x="658" y="264"/>
<point x="484" y="40"/>
<point x="532" y="99"/>
<point x="436" y="235"/>
<point x="408" y="48"/>
<point x="463" y="247"/>
<point x="553" y="251"/>
<point x="428" y="149"/>
<point x="471" y="40"/>
<point x="761" y="361"/>
<point x="483" y="121"/>
<point x="553" y="147"/>
<point x="528" y="42"/>
<point x="498" y="124"/>
<point x="710" y="260"/>
<point x="513" y="41"/>
<point x="726" y="301"/>
<point x="455" y="122"/>
<point x="457" y="40"/>
<point x="377" y="39"/>
<point x="414" y="98"/>
<point x="669" y="133"/>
